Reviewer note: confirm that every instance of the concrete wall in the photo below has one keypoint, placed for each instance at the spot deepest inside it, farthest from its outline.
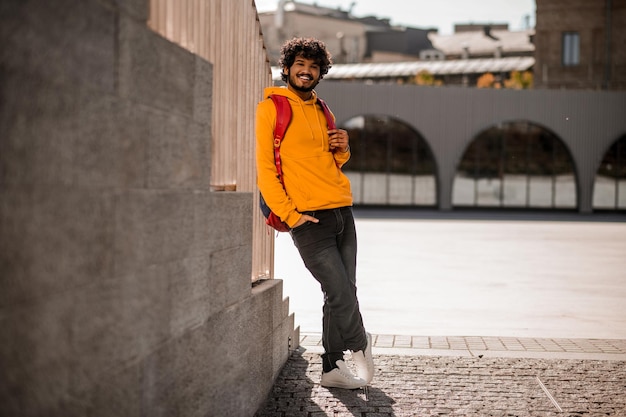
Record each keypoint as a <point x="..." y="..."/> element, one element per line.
<point x="449" y="118"/>
<point x="124" y="282"/>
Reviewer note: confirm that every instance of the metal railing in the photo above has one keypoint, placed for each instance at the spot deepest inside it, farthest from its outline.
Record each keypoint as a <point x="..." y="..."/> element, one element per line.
<point x="227" y="33"/>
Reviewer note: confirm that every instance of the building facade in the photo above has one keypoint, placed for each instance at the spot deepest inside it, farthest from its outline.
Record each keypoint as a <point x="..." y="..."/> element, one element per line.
<point x="458" y="148"/>
<point x="351" y="39"/>
<point x="370" y="49"/>
<point x="580" y="44"/>
<point x="345" y="37"/>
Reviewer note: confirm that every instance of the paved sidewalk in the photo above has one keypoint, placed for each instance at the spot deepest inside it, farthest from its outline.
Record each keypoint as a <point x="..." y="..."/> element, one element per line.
<point x="473" y="346"/>
<point x="462" y="376"/>
<point x="554" y="286"/>
<point x="444" y="277"/>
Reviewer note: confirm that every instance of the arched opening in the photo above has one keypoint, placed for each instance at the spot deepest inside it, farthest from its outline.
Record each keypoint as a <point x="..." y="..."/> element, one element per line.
<point x="391" y="163"/>
<point x="516" y="164"/>
<point x="609" y="190"/>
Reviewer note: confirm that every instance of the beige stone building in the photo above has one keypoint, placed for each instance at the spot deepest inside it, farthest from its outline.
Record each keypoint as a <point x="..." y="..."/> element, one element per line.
<point x="370" y="49"/>
<point x="350" y="39"/>
<point x="484" y="41"/>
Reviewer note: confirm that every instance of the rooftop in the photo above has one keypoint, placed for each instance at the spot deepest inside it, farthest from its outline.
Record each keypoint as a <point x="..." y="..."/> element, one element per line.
<point x="484" y="42"/>
<point x="407" y="69"/>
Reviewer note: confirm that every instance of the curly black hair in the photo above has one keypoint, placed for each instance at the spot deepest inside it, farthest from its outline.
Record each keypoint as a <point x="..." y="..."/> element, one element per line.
<point x="309" y="48"/>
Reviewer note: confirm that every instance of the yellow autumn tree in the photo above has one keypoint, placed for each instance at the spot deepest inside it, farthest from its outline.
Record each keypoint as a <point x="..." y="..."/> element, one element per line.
<point x="424" y="77"/>
<point x="486" y="80"/>
<point x="519" y="80"/>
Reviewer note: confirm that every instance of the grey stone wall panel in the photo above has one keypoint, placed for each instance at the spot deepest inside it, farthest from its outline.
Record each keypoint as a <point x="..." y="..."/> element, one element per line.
<point x="154" y="71"/>
<point x="190" y="294"/>
<point x="199" y="148"/>
<point x="34" y="352"/>
<point x="152" y="227"/>
<point x="108" y="140"/>
<point x="224" y="214"/>
<point x="178" y="152"/>
<point x="125" y="282"/>
<point x="27" y="156"/>
<point x="137" y="9"/>
<point x="280" y="344"/>
<point x="195" y="374"/>
<point x="230" y="217"/>
<point x="114" y="324"/>
<point x="229" y="281"/>
<point x="116" y="393"/>
<point x="39" y="39"/>
<point x="176" y="375"/>
<point x="71" y="136"/>
<point x="54" y="239"/>
<point x="98" y="324"/>
<point x="203" y="91"/>
<point x="245" y="334"/>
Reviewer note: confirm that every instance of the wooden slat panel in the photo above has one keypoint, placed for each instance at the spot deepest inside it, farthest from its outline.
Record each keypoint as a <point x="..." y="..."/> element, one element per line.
<point x="227" y="34"/>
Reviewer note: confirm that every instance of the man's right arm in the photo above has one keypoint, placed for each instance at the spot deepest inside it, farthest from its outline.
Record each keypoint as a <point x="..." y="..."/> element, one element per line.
<point x="267" y="177"/>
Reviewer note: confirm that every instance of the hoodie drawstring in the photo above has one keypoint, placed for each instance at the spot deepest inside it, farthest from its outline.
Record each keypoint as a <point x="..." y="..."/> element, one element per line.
<point x="317" y="117"/>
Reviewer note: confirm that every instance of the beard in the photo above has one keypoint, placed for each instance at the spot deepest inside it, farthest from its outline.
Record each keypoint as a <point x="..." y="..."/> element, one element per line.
<point x="295" y="86"/>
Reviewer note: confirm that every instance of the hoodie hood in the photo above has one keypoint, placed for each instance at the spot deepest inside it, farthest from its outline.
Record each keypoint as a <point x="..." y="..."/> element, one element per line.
<point x="284" y="91"/>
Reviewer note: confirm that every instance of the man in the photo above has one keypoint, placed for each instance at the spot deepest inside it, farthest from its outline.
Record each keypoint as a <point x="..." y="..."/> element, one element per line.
<point x="316" y="203"/>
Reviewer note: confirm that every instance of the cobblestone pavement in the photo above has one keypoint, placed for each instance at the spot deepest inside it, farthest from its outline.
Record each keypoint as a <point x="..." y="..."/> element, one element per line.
<point x="462" y="377"/>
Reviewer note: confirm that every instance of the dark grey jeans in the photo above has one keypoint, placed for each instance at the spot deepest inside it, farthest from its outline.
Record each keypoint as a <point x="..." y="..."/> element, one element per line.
<point x="328" y="249"/>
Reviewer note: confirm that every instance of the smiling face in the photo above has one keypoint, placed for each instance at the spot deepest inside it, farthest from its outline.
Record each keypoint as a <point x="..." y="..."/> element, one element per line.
<point x="303" y="76"/>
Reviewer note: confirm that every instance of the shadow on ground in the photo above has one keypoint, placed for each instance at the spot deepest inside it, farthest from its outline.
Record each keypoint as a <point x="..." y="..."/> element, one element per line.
<point x="451" y="385"/>
<point x="297" y="393"/>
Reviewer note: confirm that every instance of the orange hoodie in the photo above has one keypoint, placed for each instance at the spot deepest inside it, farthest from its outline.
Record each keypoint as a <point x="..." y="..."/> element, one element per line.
<point x="311" y="172"/>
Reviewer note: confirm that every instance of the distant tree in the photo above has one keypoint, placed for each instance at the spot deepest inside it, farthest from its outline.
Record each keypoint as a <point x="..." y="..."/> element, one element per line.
<point x="424" y="77"/>
<point x="519" y="80"/>
<point x="487" y="80"/>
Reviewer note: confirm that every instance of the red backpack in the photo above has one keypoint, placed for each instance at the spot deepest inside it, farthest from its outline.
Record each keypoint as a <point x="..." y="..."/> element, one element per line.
<point x="283" y="118"/>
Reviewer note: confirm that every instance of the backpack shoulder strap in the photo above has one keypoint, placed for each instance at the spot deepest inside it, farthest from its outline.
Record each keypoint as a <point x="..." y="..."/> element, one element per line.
<point x="329" y="117"/>
<point x="283" y="117"/>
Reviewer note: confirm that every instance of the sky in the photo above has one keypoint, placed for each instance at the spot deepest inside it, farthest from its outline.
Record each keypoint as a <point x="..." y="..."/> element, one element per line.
<point x="441" y="14"/>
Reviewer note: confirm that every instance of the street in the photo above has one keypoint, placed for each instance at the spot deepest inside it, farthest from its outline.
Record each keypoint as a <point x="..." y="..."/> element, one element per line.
<point x="517" y="277"/>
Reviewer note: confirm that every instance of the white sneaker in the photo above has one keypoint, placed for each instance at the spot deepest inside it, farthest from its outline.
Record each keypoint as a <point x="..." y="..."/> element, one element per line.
<point x="341" y="377"/>
<point x="364" y="361"/>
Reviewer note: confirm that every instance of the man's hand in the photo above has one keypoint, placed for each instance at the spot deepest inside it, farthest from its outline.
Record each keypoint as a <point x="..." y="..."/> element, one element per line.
<point x="305" y="218"/>
<point x="338" y="140"/>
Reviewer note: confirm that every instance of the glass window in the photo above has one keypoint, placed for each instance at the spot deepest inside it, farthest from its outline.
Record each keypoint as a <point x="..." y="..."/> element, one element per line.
<point x="564" y="180"/>
<point x="489" y="168"/>
<point x="391" y="163"/>
<point x="516" y="164"/>
<point x="610" y="183"/>
<point x="571" y="49"/>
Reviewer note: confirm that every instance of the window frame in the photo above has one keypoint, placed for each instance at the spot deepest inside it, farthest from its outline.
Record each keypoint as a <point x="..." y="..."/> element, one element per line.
<point x="570" y="49"/>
